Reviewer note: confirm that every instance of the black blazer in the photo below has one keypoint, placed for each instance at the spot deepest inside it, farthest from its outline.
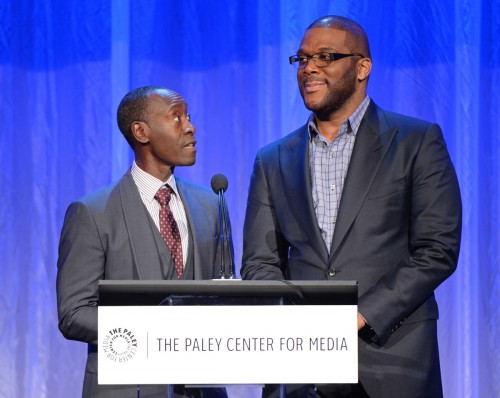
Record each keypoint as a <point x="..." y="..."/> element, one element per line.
<point x="397" y="233"/>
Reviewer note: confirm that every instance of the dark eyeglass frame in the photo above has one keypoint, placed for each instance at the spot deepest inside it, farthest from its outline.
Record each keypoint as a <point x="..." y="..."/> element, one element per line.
<point x="300" y="61"/>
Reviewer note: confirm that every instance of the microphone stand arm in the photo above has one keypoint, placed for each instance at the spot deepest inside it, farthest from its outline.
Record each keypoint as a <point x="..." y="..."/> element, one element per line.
<point x="221" y="235"/>
<point x="229" y="239"/>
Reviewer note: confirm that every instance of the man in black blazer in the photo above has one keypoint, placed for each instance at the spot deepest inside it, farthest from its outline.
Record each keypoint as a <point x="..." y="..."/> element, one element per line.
<point x="359" y="193"/>
<point x="115" y="232"/>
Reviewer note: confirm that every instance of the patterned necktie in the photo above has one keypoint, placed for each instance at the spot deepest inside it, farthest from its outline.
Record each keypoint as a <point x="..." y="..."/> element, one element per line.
<point x="169" y="229"/>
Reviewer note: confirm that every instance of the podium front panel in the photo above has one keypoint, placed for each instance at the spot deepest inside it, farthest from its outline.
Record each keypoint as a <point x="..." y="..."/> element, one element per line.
<point x="257" y="344"/>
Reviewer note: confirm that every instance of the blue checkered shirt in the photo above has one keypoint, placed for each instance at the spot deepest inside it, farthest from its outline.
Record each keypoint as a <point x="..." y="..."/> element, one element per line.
<point x="329" y="162"/>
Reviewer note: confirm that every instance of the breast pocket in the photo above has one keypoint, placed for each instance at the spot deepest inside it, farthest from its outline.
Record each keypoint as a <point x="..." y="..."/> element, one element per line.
<point x="391" y="188"/>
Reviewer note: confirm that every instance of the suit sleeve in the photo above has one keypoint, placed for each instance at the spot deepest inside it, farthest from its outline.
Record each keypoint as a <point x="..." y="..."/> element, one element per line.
<point x="80" y="267"/>
<point x="265" y="250"/>
<point x="434" y="239"/>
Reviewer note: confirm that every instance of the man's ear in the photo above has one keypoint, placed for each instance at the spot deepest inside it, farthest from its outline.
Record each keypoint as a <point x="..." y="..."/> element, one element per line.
<point x="364" y="68"/>
<point x="140" y="131"/>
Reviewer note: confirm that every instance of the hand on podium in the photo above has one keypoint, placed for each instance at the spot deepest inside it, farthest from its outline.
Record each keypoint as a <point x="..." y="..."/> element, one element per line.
<point x="361" y="322"/>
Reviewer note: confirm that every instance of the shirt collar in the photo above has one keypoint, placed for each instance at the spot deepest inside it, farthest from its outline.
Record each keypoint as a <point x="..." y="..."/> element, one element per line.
<point x="350" y="125"/>
<point x="147" y="184"/>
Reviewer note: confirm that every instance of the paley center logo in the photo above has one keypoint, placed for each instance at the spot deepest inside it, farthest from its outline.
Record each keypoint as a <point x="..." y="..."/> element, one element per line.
<point x="119" y="345"/>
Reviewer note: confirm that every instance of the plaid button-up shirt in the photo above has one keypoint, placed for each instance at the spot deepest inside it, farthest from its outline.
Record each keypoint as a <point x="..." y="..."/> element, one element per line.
<point x="329" y="162"/>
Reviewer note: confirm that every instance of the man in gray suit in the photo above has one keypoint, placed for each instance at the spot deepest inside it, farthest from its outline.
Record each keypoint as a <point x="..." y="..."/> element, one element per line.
<point x="118" y="232"/>
<point x="359" y="193"/>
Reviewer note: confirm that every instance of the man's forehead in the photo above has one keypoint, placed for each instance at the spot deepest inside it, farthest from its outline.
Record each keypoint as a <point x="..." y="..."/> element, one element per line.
<point x="325" y="34"/>
<point x="170" y="98"/>
<point x="323" y="39"/>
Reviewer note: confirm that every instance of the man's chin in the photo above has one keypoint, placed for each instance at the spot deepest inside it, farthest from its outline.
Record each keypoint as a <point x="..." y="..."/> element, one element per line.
<point x="313" y="106"/>
<point x="186" y="163"/>
<point x="190" y="162"/>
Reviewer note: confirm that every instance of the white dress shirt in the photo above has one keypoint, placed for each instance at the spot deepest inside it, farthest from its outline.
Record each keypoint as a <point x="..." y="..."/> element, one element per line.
<point x="148" y="186"/>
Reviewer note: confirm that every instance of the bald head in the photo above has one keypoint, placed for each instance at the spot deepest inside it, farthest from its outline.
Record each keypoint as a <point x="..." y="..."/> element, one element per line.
<point x="356" y="39"/>
<point x="134" y="107"/>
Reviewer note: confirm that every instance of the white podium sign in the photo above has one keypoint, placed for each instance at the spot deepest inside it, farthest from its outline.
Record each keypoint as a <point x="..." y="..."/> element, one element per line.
<point x="275" y="344"/>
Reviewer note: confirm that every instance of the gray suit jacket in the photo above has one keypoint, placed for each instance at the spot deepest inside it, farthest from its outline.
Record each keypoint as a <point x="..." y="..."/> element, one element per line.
<point x="397" y="233"/>
<point x="110" y="235"/>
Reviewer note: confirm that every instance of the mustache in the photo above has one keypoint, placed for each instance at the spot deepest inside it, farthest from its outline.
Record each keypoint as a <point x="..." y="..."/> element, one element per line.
<point x="309" y="80"/>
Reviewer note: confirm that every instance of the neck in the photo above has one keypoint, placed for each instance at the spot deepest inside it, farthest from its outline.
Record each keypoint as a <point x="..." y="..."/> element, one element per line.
<point x="160" y="171"/>
<point x="328" y="128"/>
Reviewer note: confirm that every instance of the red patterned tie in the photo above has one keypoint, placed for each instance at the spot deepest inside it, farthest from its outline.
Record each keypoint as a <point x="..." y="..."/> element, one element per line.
<point x="169" y="229"/>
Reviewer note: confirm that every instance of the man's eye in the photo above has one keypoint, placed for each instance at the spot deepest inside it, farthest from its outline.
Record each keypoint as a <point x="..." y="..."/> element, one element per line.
<point x="188" y="117"/>
<point x="177" y="118"/>
<point x="324" y="56"/>
<point x="302" y="59"/>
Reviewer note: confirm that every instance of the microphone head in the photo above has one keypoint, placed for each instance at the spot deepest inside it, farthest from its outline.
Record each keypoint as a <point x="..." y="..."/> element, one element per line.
<point x="219" y="183"/>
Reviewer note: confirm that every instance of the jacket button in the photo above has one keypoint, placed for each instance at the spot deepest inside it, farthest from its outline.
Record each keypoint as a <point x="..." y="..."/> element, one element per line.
<point x="332" y="272"/>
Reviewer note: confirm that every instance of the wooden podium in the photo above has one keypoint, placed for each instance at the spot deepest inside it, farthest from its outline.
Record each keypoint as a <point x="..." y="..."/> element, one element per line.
<point x="225" y="332"/>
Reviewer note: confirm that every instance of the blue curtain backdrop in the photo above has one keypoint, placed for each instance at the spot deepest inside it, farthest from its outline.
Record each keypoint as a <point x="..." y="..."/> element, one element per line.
<point x="64" y="66"/>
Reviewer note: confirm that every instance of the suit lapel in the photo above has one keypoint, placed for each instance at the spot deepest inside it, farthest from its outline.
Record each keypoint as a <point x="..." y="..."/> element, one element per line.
<point x="372" y="142"/>
<point x="296" y="176"/>
<point x="145" y="250"/>
<point x="199" y="229"/>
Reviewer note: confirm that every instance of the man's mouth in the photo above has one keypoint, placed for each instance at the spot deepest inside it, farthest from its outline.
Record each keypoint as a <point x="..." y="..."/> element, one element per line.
<point x="313" y="86"/>
<point x="191" y="144"/>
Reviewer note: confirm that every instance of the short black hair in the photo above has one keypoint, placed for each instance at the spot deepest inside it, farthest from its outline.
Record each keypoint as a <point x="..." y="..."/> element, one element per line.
<point x="134" y="108"/>
<point x="357" y="40"/>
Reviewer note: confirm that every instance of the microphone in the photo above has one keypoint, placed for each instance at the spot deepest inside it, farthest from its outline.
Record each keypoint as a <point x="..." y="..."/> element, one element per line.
<point x="219" y="186"/>
<point x="219" y="182"/>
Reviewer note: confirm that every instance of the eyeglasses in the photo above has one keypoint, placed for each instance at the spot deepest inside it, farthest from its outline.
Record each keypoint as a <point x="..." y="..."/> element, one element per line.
<point x="321" y="60"/>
